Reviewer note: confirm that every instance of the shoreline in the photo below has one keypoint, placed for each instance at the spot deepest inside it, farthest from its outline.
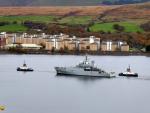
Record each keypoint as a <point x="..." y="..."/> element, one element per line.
<point x="78" y="53"/>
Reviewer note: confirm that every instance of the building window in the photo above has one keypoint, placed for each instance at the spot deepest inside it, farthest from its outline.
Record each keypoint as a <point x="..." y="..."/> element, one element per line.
<point x="87" y="47"/>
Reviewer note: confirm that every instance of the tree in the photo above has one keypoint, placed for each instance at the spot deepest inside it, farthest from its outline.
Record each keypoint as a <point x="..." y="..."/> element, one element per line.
<point x="34" y="25"/>
<point x="66" y="49"/>
<point x="146" y="26"/>
<point x="102" y="32"/>
<point x="53" y="49"/>
<point x="43" y="45"/>
<point x="61" y="50"/>
<point x="14" y="22"/>
<point x="4" y="23"/>
<point x="118" y="27"/>
<point x="148" y="48"/>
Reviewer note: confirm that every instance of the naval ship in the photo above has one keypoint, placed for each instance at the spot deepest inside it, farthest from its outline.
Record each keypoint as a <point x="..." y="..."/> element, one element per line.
<point x="84" y="68"/>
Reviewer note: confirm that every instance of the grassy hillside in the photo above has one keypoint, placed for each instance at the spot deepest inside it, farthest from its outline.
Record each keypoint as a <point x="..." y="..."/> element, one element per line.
<point x="129" y="16"/>
<point x="20" y="19"/>
<point x="13" y="28"/>
<point x="69" y="20"/>
<point x="48" y="2"/>
<point x="76" y="20"/>
<point x="64" y="2"/>
<point x="108" y="27"/>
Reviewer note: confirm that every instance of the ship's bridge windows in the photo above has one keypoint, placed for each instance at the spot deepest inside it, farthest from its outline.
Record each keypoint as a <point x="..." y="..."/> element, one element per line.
<point x="86" y="62"/>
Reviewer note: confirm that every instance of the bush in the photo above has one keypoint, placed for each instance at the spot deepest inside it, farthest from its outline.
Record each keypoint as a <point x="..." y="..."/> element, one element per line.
<point x="34" y="25"/>
<point x="14" y="22"/>
<point x="146" y="26"/>
<point x="148" y="48"/>
<point x="4" y="23"/>
<point x="118" y="27"/>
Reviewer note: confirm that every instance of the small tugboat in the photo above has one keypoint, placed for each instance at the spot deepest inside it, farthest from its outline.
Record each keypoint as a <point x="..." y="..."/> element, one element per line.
<point x="84" y="68"/>
<point x="128" y="73"/>
<point x="24" y="68"/>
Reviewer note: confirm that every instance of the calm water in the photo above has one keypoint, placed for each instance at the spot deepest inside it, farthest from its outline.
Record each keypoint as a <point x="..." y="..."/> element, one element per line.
<point x="42" y="91"/>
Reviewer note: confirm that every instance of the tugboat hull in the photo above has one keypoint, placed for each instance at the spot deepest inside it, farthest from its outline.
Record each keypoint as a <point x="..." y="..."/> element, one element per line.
<point x="19" y="69"/>
<point x="128" y="75"/>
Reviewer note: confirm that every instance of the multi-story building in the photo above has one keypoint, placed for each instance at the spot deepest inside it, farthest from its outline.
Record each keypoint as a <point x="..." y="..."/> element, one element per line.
<point x="93" y="47"/>
<point x="84" y="46"/>
<point x="113" y="46"/>
<point x="72" y="46"/>
<point x="50" y="45"/>
<point x="89" y="44"/>
<point x="63" y="41"/>
<point x="125" y="47"/>
<point x="2" y="41"/>
<point x="56" y="44"/>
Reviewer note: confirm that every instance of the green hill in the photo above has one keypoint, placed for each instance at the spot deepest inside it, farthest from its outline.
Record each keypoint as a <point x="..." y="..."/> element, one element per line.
<point x="64" y="2"/>
<point x="13" y="28"/>
<point x="108" y="27"/>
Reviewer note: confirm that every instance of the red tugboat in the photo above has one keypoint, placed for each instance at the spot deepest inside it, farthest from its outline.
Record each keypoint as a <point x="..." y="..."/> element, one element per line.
<point x="129" y="73"/>
<point x="24" y="68"/>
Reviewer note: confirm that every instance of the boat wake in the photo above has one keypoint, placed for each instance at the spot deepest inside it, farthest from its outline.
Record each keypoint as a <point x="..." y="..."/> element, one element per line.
<point x="137" y="78"/>
<point x="144" y="77"/>
<point x="41" y="71"/>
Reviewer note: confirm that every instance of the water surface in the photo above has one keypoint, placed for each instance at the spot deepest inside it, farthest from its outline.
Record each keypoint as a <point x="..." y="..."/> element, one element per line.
<point x="42" y="91"/>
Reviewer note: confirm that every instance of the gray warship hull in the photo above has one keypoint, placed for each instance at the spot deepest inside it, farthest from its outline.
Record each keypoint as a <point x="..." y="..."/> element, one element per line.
<point x="75" y="71"/>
